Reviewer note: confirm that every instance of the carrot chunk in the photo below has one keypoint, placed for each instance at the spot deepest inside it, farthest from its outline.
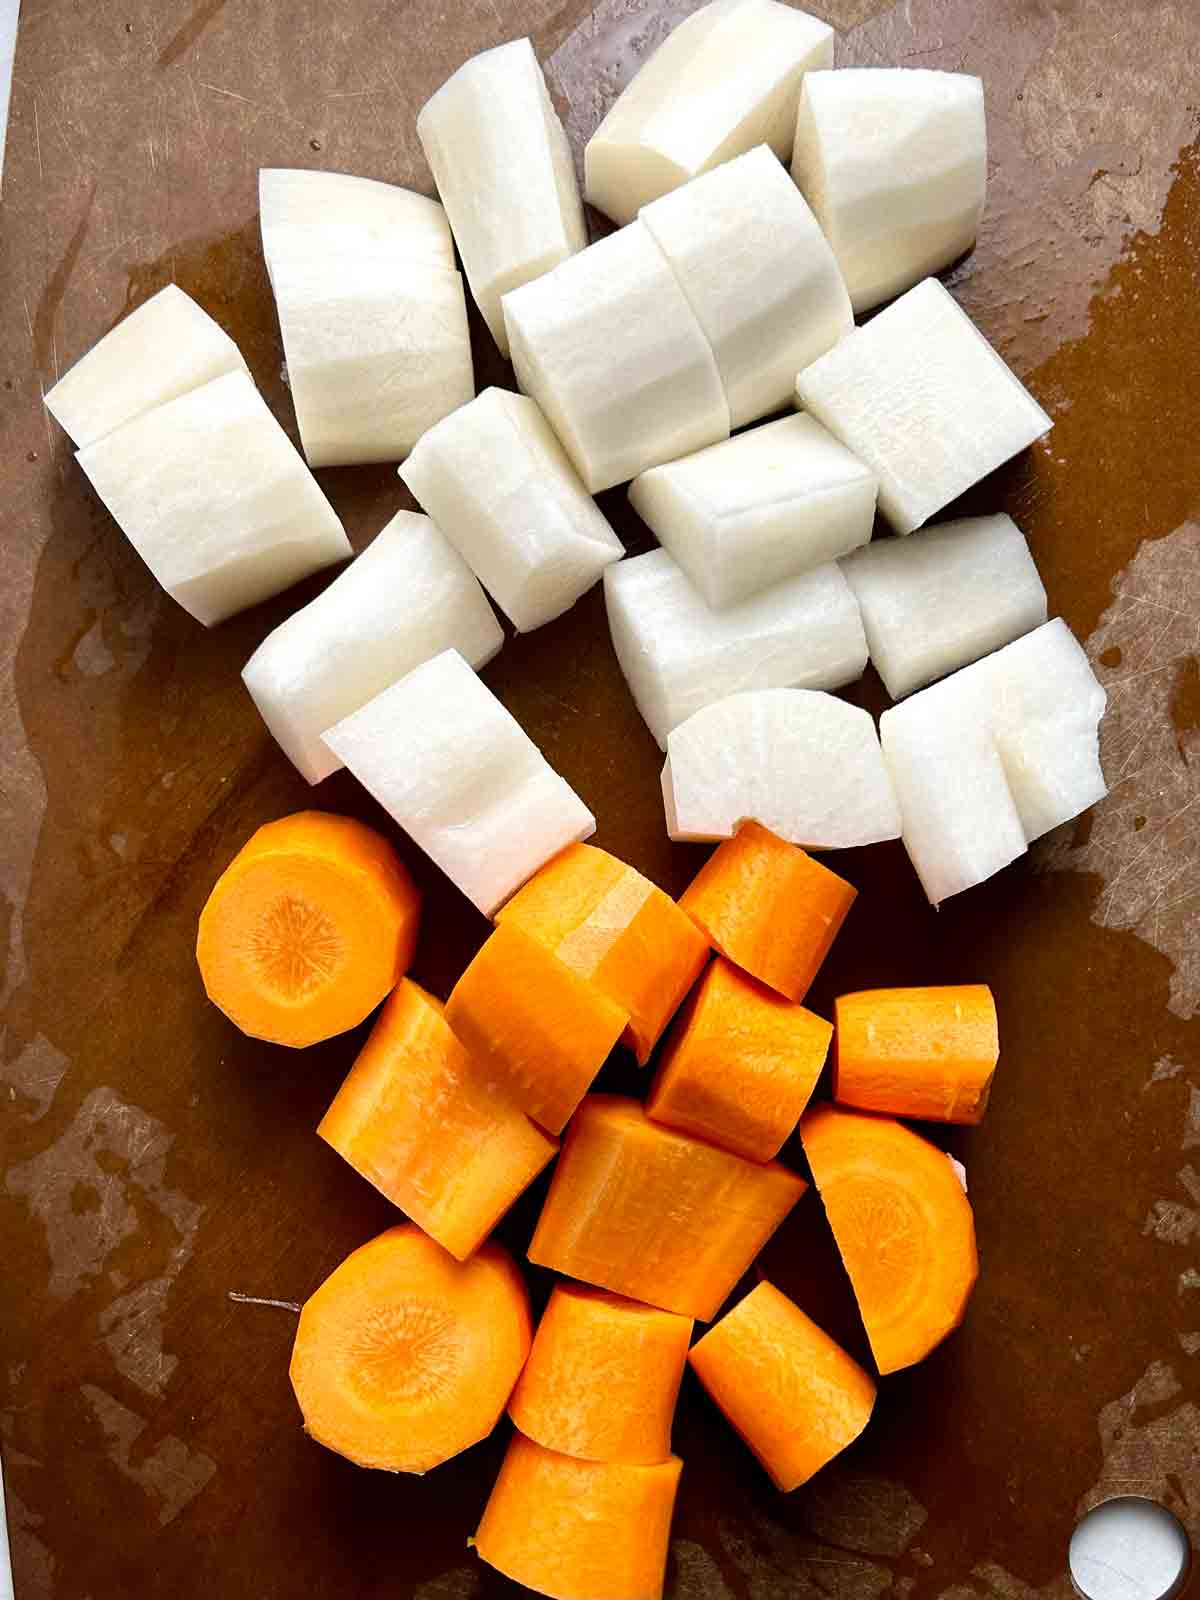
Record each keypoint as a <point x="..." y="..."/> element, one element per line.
<point x="768" y="907"/>
<point x="924" y="1053"/>
<point x="421" y="1120"/>
<point x="579" y="1530"/>
<point x="739" y="1064"/>
<point x="602" y="1378"/>
<point x="903" y="1225"/>
<point x="311" y="924"/>
<point x="795" y="1397"/>
<point x="654" y="1214"/>
<point x="536" y="1026"/>
<point x="404" y="1356"/>
<point x="614" y="927"/>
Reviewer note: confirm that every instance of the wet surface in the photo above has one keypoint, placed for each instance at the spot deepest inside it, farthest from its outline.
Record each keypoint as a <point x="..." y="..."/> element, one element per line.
<point x="163" y="1197"/>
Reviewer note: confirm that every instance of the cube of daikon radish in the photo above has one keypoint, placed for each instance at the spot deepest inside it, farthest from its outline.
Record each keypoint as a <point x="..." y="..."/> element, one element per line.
<point x="213" y="496"/>
<point x="406" y="598"/>
<point x="804" y="764"/>
<point x="454" y="768"/>
<point x="759" y="508"/>
<point x="495" y="479"/>
<point x="504" y="170"/>
<point x="920" y="395"/>
<point x="167" y="347"/>
<point x="893" y="160"/>
<point x="945" y="597"/>
<point x="321" y="211"/>
<point x="609" y="348"/>
<point x="678" y="655"/>
<point x="759" y="274"/>
<point x="726" y="79"/>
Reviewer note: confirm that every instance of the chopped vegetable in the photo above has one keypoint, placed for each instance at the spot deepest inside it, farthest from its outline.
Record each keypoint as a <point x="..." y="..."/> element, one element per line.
<point x="903" y="1225"/>
<point x="602" y="1377"/>
<point x="654" y="1214"/>
<point x="616" y="929"/>
<point x="424" y="1122"/>
<point x="405" y="1357"/>
<point x="925" y="1053"/>
<point x="579" y="1530"/>
<point x="493" y="475"/>
<point x="310" y="925"/>
<point x="306" y="212"/>
<point x="793" y="1395"/>
<point x="739" y="1065"/>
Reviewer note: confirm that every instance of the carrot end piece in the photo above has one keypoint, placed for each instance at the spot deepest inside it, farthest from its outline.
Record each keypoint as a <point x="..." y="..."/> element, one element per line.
<point x="928" y="1053"/>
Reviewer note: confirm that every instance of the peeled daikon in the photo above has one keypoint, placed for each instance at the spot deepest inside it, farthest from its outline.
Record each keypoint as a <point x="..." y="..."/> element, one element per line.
<point x="945" y="597"/>
<point x="726" y="79"/>
<point x="167" y="347"/>
<point x="454" y="768"/>
<point x="991" y="758"/>
<point x="212" y="494"/>
<point x="504" y="170"/>
<point x="893" y="160"/>
<point x="496" y="480"/>
<point x="804" y="764"/>
<point x="759" y="274"/>
<point x="678" y="655"/>
<point x="920" y="396"/>
<point x="321" y="211"/>
<point x="611" y="351"/>
<point x="759" y="508"/>
<point x="406" y="598"/>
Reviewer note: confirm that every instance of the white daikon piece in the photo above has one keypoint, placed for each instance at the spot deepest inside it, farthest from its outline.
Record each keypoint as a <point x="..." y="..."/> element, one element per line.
<point x="727" y="78"/>
<point x="324" y="211"/>
<point x="804" y="764"/>
<point x="377" y="350"/>
<point x="678" y="655"/>
<point x="454" y="768"/>
<point x="493" y="476"/>
<point x="167" y="347"/>
<point x="213" y="496"/>
<point x="504" y="170"/>
<point x="920" y="395"/>
<point x="609" y="348"/>
<point x="945" y="597"/>
<point x="759" y="274"/>
<point x="405" y="599"/>
<point x="893" y="160"/>
<point x="759" y="508"/>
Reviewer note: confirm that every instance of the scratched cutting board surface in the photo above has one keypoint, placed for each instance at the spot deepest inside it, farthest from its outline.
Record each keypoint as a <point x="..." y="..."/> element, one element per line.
<point x="161" y="1179"/>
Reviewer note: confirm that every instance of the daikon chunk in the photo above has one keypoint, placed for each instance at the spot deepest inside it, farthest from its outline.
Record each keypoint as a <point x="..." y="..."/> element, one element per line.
<point x="335" y="211"/>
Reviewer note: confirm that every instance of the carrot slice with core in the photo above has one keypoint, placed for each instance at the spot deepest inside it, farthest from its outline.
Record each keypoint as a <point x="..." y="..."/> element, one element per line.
<point x="312" y="923"/>
<point x="614" y="927"/>
<point x="768" y="907"/>
<point x="654" y="1214"/>
<point x="404" y="1356"/>
<point x="926" y="1053"/>
<point x="579" y="1530"/>
<point x="421" y="1120"/>
<point x="602" y="1378"/>
<point x="739" y="1065"/>
<point x="903" y="1225"/>
<point x="795" y="1397"/>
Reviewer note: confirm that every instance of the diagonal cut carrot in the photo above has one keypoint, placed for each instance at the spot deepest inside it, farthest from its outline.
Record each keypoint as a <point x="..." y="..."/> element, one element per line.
<point x="926" y="1053"/>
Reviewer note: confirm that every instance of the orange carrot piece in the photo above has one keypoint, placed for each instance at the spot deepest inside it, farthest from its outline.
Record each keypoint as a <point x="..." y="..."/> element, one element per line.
<point x="739" y="1065"/>
<point x="793" y="1395"/>
<point x="419" y="1119"/>
<point x="537" y="1027"/>
<point x="602" y="1378"/>
<point x="769" y="908"/>
<point x="924" y="1053"/>
<point x="654" y="1214"/>
<point x="404" y="1357"/>
<point x="611" y="925"/>
<point x="579" y="1530"/>
<point x="311" y="924"/>
<point x="903" y="1225"/>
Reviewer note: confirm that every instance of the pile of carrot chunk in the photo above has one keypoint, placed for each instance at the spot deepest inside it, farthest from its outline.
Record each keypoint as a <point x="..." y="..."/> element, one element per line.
<point x="413" y="1348"/>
